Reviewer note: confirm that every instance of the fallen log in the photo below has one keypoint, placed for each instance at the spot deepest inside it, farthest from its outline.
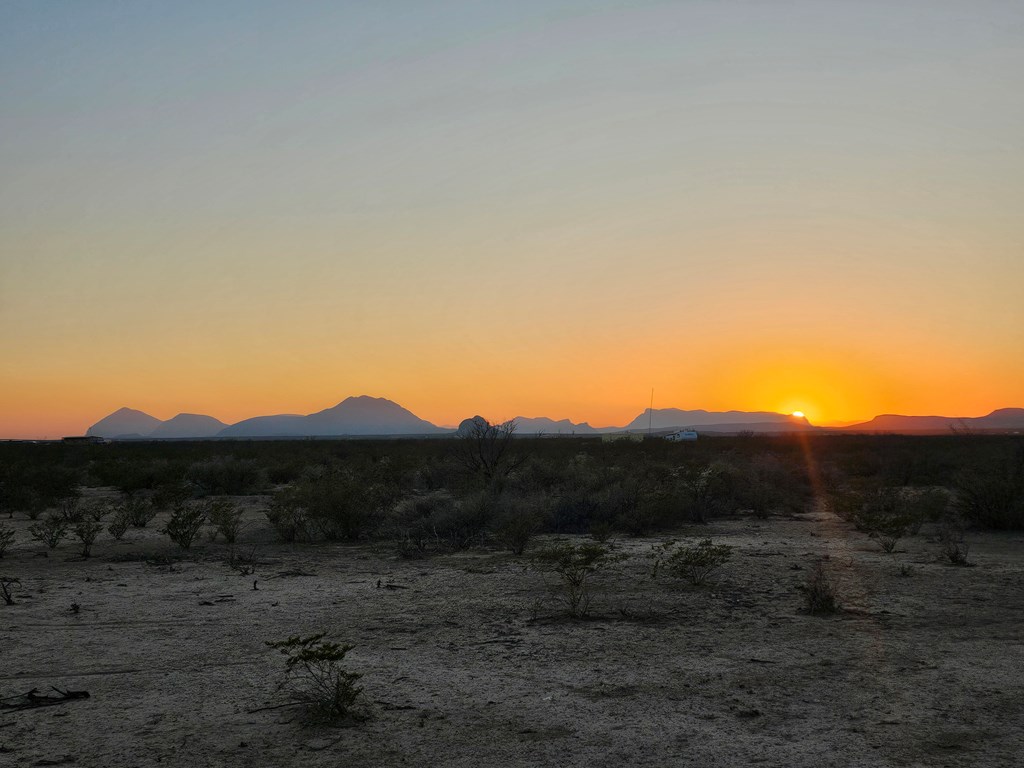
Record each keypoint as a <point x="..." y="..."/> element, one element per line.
<point x="34" y="699"/>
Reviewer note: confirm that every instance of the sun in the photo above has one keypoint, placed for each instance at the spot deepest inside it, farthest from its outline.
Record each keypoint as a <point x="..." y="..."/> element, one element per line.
<point x="798" y="414"/>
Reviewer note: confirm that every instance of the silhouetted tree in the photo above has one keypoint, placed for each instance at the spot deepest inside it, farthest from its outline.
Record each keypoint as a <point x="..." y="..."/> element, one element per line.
<point x="484" y="448"/>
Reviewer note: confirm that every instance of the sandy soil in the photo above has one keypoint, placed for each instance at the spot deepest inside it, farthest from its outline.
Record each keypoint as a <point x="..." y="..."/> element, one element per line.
<point x="469" y="662"/>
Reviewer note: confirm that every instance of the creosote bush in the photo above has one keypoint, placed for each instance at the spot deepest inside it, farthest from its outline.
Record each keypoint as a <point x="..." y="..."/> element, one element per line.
<point x="287" y="518"/>
<point x="6" y="537"/>
<point x="314" y="677"/>
<point x="952" y="541"/>
<point x="86" y="528"/>
<point x="574" y="564"/>
<point x="516" y="522"/>
<point x="887" y="516"/>
<point x="138" y="510"/>
<point x="691" y="562"/>
<point x="50" y="530"/>
<point x="226" y="519"/>
<point x="185" y="524"/>
<point x="119" y="524"/>
<point x="819" y="592"/>
<point x="993" y="496"/>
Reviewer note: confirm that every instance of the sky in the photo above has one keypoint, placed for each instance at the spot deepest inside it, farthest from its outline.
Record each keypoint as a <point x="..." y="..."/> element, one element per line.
<point x="529" y="208"/>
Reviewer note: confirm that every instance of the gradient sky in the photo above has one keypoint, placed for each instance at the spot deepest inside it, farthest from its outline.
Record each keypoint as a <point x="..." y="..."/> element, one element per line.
<point x="510" y="208"/>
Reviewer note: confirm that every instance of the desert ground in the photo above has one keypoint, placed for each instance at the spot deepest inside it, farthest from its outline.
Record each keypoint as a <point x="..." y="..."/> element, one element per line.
<point x="468" y="659"/>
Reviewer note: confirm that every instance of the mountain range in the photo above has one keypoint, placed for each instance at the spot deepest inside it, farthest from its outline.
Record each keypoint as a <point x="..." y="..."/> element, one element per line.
<point x="365" y="416"/>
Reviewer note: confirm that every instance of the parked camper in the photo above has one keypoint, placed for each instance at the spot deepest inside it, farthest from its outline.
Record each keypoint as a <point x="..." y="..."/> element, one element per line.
<point x="681" y="435"/>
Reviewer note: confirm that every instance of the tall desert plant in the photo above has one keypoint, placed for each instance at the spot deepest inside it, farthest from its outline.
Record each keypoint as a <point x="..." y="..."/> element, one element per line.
<point x="185" y="524"/>
<point x="316" y="679"/>
<point x="693" y="562"/>
<point x="6" y="537"/>
<point x="50" y="530"/>
<point x="575" y="565"/>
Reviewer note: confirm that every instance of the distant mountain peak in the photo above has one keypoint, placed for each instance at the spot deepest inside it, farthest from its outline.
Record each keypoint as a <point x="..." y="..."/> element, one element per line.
<point x="124" y="421"/>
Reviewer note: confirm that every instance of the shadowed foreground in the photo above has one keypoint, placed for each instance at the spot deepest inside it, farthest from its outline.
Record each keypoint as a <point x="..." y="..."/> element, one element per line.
<point x="467" y="659"/>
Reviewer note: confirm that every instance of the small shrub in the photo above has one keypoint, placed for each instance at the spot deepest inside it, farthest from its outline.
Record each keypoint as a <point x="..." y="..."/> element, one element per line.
<point x="339" y="503"/>
<point x="138" y="510"/>
<point x="226" y="519"/>
<point x="602" y="531"/>
<point x="516" y="525"/>
<point x="50" y="530"/>
<point x="70" y="508"/>
<point x="703" y="489"/>
<point x="952" y="542"/>
<point x="6" y="537"/>
<point x="574" y="564"/>
<point x="314" y="677"/>
<point x="119" y="524"/>
<point x="185" y="524"/>
<point x="819" y="592"/>
<point x="435" y="520"/>
<point x="694" y="563"/>
<point x="994" y="497"/>
<point x="225" y="475"/>
<point x="172" y="494"/>
<point x="86" y="529"/>
<point x="886" y="517"/>
<point x="288" y="520"/>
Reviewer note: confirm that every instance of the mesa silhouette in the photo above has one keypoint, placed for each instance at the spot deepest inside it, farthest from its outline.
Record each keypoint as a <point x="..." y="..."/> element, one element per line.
<point x="365" y="416"/>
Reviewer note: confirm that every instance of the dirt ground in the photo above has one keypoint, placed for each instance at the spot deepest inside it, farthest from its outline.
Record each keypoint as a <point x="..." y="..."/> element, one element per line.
<point x="468" y="659"/>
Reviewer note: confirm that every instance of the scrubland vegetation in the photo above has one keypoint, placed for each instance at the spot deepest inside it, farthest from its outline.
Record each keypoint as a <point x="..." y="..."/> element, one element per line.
<point x="719" y="541"/>
<point x="438" y="495"/>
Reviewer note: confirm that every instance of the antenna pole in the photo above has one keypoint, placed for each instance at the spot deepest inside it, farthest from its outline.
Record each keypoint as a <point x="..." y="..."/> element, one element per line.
<point x="650" y="414"/>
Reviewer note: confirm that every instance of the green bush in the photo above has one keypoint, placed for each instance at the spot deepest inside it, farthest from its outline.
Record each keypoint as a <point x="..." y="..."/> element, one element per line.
<point x="952" y="541"/>
<point x="993" y="496"/>
<point x="119" y="524"/>
<point x="6" y="537"/>
<point x="574" y="565"/>
<point x="50" y="530"/>
<point x="137" y="510"/>
<point x="226" y="519"/>
<point x="226" y="476"/>
<point x="691" y="562"/>
<point x="413" y="522"/>
<point x="819" y="592"/>
<point x="185" y="523"/>
<point x="287" y="518"/>
<point x="517" y="521"/>
<point x="340" y="504"/>
<point x="315" y="679"/>
<point x="87" y="528"/>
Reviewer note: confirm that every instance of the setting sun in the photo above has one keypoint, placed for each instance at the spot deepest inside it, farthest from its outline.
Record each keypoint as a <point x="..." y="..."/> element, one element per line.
<point x="798" y="414"/>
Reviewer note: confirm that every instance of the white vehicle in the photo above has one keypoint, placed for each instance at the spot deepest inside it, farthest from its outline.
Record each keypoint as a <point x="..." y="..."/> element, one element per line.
<point x="681" y="435"/>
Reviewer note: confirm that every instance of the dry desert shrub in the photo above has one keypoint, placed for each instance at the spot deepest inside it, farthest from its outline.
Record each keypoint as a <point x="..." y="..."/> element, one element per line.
<point x="575" y="564"/>
<point x="185" y="524"/>
<point x="819" y="592"/>
<point x="119" y="524"/>
<point x="49" y="531"/>
<point x="287" y="518"/>
<point x="517" y="521"/>
<point x="691" y="562"/>
<point x="226" y="519"/>
<point x="952" y="541"/>
<point x="138" y="510"/>
<point x="315" y="679"/>
<point x="87" y="528"/>
<point x="6" y="537"/>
